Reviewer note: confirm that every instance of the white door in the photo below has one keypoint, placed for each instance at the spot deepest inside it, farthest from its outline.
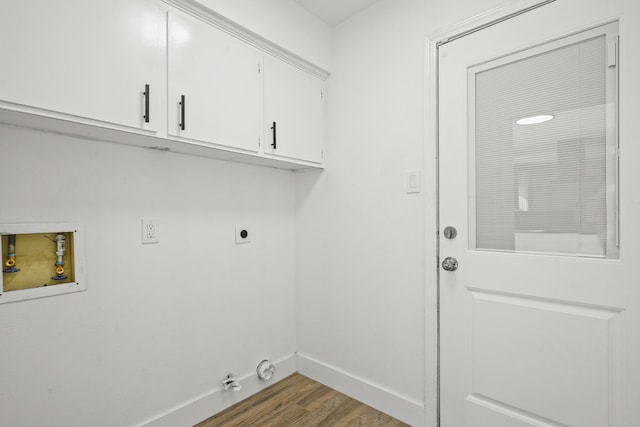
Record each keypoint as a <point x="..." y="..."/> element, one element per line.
<point x="215" y="85"/>
<point x="540" y="322"/>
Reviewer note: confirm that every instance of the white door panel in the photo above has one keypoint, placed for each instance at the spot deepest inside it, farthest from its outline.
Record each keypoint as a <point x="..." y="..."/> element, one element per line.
<point x="541" y="357"/>
<point x="539" y="339"/>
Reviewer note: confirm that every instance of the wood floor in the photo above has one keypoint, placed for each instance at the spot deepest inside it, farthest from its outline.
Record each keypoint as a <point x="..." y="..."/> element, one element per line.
<point x="298" y="401"/>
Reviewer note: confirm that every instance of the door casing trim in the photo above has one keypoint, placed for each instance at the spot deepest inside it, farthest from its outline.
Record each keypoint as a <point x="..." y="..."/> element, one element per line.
<point x="431" y="165"/>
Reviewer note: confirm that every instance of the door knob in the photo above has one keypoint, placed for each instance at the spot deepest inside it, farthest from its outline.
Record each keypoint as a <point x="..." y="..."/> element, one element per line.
<point x="450" y="264"/>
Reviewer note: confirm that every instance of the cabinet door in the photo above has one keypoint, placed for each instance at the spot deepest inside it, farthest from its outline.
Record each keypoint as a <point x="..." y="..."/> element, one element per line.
<point x="293" y="101"/>
<point x="214" y="85"/>
<point x="84" y="59"/>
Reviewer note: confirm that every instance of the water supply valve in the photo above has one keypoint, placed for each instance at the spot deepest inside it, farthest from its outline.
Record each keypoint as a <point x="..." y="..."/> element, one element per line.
<point x="10" y="263"/>
<point x="230" y="382"/>
<point x="60" y="251"/>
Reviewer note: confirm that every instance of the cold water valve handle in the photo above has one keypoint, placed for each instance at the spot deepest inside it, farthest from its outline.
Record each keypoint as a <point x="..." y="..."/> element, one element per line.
<point x="10" y="263"/>
<point x="230" y="383"/>
<point x="60" y="251"/>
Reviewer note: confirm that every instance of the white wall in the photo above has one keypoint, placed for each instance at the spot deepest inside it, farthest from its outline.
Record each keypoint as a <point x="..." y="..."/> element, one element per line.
<point x="159" y="324"/>
<point x="359" y="237"/>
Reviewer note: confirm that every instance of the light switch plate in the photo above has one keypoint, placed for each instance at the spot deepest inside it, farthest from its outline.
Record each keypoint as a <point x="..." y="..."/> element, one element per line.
<point x="413" y="181"/>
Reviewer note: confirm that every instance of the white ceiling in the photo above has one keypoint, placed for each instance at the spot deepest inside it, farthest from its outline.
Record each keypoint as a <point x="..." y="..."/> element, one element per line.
<point x="333" y="12"/>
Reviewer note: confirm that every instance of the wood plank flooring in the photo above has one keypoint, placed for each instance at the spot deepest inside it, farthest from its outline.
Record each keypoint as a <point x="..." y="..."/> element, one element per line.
<point x="298" y="401"/>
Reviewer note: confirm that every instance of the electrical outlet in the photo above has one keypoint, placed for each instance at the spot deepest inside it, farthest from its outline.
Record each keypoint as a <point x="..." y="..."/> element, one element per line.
<point x="149" y="231"/>
<point x="243" y="234"/>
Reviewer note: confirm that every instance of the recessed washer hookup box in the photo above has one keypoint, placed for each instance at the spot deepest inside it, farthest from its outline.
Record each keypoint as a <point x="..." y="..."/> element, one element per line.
<point x="40" y="260"/>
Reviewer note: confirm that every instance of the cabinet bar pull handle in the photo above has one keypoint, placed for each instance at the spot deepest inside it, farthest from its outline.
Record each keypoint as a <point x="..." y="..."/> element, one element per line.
<point x="182" y="102"/>
<point x="273" y="128"/>
<point x="147" y="97"/>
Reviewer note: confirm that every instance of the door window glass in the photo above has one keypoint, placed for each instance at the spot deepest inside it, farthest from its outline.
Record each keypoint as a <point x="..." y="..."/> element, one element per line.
<point x="543" y="150"/>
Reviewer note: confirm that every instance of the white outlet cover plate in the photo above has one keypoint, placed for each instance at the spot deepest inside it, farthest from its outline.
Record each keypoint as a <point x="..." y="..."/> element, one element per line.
<point x="239" y="238"/>
<point x="150" y="231"/>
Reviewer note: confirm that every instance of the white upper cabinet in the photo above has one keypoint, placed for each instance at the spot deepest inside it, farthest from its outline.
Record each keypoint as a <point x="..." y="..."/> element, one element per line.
<point x="84" y="60"/>
<point x="215" y="85"/>
<point x="164" y="74"/>
<point x="294" y="112"/>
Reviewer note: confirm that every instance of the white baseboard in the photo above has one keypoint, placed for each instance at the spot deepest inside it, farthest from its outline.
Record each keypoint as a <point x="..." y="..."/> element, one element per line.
<point x="210" y="403"/>
<point x="204" y="406"/>
<point x="384" y="400"/>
